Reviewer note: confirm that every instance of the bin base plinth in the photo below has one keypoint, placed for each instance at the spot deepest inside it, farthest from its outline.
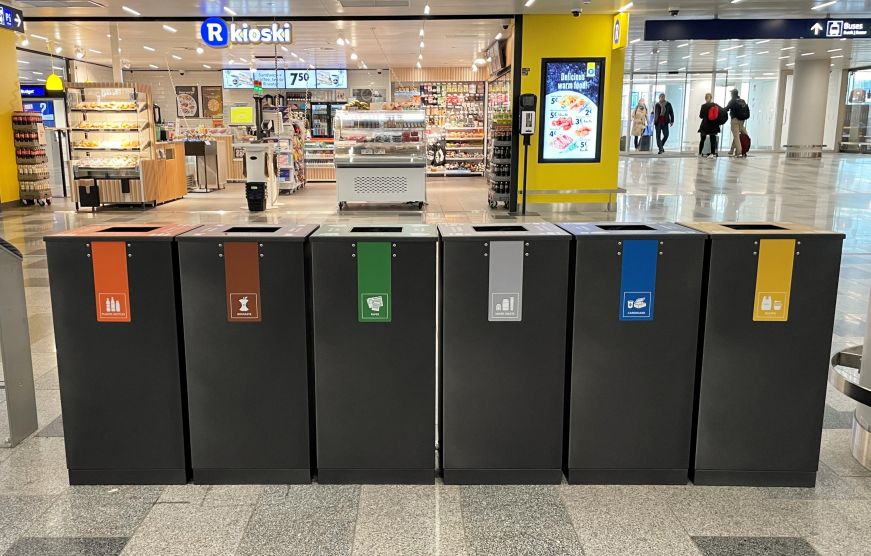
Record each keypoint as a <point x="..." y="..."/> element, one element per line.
<point x="627" y="476"/>
<point x="806" y="479"/>
<point x="128" y="476"/>
<point x="251" y="476"/>
<point x="503" y="476"/>
<point x="376" y="476"/>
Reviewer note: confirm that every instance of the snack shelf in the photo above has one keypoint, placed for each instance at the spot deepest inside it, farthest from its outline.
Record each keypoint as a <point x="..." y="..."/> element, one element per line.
<point x="499" y="141"/>
<point x="28" y="135"/>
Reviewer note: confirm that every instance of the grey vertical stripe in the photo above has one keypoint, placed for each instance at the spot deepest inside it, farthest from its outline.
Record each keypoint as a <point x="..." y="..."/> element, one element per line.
<point x="506" y="281"/>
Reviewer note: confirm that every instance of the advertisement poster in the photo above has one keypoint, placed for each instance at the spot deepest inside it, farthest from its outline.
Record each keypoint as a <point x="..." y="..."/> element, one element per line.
<point x="213" y="102"/>
<point x="332" y="79"/>
<point x="571" y="110"/>
<point x="187" y="105"/>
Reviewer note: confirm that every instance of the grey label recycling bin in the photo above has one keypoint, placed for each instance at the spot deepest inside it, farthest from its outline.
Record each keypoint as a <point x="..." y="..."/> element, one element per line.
<point x="637" y="296"/>
<point x="503" y="352"/>
<point x="114" y="297"/>
<point x="374" y="296"/>
<point x="771" y="292"/>
<point x="17" y="397"/>
<point x="245" y="306"/>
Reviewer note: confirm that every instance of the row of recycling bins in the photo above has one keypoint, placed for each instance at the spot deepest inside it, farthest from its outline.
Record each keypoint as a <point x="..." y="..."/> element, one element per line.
<point x="613" y="353"/>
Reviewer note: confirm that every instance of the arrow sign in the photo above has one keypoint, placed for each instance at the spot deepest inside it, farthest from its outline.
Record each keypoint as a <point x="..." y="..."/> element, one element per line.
<point x="817" y="28"/>
<point x="11" y="18"/>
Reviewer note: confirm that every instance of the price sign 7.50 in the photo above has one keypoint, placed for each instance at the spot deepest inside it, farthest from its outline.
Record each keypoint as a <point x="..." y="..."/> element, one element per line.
<point x="300" y="79"/>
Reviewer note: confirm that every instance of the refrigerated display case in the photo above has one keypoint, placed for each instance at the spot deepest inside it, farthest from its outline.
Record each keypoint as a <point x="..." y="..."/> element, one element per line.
<point x="323" y="114"/>
<point x="320" y="160"/>
<point x="381" y="157"/>
<point x="499" y="135"/>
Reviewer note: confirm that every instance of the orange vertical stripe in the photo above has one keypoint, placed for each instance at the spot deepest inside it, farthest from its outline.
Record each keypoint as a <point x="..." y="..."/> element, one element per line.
<point x="111" y="285"/>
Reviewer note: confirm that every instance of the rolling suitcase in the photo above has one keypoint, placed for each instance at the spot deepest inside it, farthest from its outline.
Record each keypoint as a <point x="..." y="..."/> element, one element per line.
<point x="746" y="143"/>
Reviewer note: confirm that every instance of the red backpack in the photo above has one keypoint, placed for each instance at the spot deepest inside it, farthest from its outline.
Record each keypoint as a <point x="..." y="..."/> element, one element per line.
<point x="713" y="113"/>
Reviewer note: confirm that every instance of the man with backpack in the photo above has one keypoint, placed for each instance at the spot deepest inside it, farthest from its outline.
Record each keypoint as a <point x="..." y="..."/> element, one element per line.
<point x="740" y="113"/>
<point x="663" y="118"/>
<point x="713" y="116"/>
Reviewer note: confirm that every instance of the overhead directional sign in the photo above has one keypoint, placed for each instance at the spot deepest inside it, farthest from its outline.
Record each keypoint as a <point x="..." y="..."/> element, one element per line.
<point x="10" y="18"/>
<point x="725" y="29"/>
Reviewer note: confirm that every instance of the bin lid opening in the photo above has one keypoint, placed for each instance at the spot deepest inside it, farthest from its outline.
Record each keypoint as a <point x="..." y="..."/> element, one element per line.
<point x="503" y="228"/>
<point x="252" y="229"/>
<point x="375" y="229"/>
<point x="128" y="229"/>
<point x="753" y="227"/>
<point x="624" y="227"/>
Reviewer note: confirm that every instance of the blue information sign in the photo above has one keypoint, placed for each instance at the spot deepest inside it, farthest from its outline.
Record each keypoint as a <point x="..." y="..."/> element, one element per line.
<point x="638" y="279"/>
<point x="726" y="29"/>
<point x="32" y="91"/>
<point x="10" y="18"/>
<point x="45" y="107"/>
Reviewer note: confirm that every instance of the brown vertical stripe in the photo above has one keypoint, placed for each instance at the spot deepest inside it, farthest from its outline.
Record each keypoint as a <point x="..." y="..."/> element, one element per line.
<point x="242" y="273"/>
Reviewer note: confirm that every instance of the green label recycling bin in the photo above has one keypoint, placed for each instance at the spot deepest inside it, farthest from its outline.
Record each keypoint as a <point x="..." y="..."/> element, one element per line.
<point x="245" y="306"/>
<point x="771" y="292"/>
<point x="374" y="297"/>
<point x="637" y="291"/>
<point x="114" y="298"/>
<point x="503" y="352"/>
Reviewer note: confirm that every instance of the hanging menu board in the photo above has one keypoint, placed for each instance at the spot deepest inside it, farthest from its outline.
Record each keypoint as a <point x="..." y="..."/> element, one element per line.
<point x="300" y="79"/>
<point x="571" y="110"/>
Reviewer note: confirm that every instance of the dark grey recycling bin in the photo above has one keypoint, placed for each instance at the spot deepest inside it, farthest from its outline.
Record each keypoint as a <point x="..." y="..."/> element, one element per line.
<point x="503" y="352"/>
<point x="374" y="296"/>
<point x="771" y="293"/>
<point x="245" y="306"/>
<point x="114" y="298"/>
<point x="637" y="296"/>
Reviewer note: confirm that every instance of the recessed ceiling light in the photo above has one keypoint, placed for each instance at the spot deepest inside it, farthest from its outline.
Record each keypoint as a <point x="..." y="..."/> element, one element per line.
<point x="242" y="58"/>
<point x="682" y="69"/>
<point x="824" y="5"/>
<point x="838" y="56"/>
<point x="229" y="11"/>
<point x="737" y="46"/>
<point x="790" y="64"/>
<point x="200" y="50"/>
<point x="741" y="56"/>
<point x="420" y="56"/>
<point x="498" y="36"/>
<point x="529" y="3"/>
<point x="474" y="68"/>
<point x="704" y="53"/>
<point x="663" y="62"/>
<point x="761" y="53"/>
<point x="302" y="60"/>
<point x="152" y="66"/>
<point x="365" y="67"/>
<point x="422" y="45"/>
<point x="763" y="42"/>
<point x="627" y="7"/>
<point x="37" y="72"/>
<point x="35" y="36"/>
<point x="721" y="59"/>
<point x="422" y="32"/>
<point x="94" y="51"/>
<point x="170" y="29"/>
<point x="743" y="65"/>
<point x="783" y="57"/>
<point x="130" y="11"/>
<point x="726" y="69"/>
<point x="207" y="66"/>
<point x="177" y="57"/>
<point x="683" y="45"/>
<point x="58" y="49"/>
<point x="354" y="56"/>
<point x="426" y="9"/>
<point x="25" y="41"/>
<point x="284" y="48"/>
<point x="633" y="41"/>
<point x="685" y="57"/>
<point x="294" y="54"/>
<point x="148" y="48"/>
<point x="788" y="48"/>
<point x="808" y="53"/>
<point x="23" y="62"/>
<point x="835" y="50"/>
<point x="418" y="65"/>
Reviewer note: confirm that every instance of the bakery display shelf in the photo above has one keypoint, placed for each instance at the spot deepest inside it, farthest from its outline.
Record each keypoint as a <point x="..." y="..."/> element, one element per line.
<point x="481" y="138"/>
<point x="464" y="159"/>
<point x="110" y="130"/>
<point x="452" y="128"/>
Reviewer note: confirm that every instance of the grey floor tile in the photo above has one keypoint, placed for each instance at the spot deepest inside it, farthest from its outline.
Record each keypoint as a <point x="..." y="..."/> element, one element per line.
<point x="829" y="486"/>
<point x="233" y="495"/>
<point x="835" y="452"/>
<point x="91" y="516"/>
<point x="183" y="530"/>
<point x="67" y="546"/>
<point x="314" y="502"/>
<point x="768" y="546"/>
<point x="16" y="515"/>
<point x="724" y="511"/>
<point x="184" y="494"/>
<point x="36" y="467"/>
<point x="55" y="429"/>
<point x="275" y="530"/>
<point x="47" y="380"/>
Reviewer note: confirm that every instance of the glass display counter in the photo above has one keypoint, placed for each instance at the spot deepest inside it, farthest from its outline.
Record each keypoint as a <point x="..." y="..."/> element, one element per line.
<point x="380" y="157"/>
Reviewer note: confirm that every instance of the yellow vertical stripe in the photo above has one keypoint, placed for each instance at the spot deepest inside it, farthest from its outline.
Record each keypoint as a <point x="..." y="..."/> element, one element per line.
<point x="10" y="100"/>
<point x="774" y="280"/>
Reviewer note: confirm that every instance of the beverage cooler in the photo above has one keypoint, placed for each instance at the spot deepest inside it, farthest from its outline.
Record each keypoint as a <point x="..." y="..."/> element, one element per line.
<point x="322" y="118"/>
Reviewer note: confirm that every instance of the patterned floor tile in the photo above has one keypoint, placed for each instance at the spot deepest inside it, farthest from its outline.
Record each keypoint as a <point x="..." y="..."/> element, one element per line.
<point x="768" y="546"/>
<point x="67" y="546"/>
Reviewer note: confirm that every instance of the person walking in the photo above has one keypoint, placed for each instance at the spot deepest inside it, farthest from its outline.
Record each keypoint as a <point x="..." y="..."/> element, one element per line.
<point x="663" y="119"/>
<point x="710" y="127"/>
<point x="639" y="121"/>
<point x="739" y="111"/>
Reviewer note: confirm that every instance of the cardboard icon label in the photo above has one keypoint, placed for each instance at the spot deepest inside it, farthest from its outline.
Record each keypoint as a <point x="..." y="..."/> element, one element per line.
<point x="774" y="280"/>
<point x="111" y="286"/>
<point x="242" y="275"/>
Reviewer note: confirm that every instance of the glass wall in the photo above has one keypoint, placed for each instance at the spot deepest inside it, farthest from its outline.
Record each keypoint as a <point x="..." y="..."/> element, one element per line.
<point x="854" y="135"/>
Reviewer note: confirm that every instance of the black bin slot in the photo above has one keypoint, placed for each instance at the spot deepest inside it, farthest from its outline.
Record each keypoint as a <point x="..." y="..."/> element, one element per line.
<point x="253" y="230"/>
<point x="624" y="227"/>
<point x="753" y="227"/>
<point x="504" y="228"/>
<point x="375" y="229"/>
<point x="128" y="229"/>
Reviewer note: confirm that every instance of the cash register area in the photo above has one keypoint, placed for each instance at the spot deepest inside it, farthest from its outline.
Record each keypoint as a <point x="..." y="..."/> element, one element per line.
<point x="40" y="513"/>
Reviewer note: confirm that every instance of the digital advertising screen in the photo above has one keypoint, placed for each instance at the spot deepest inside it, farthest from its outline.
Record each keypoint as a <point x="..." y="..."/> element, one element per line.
<point x="571" y="110"/>
<point x="332" y="79"/>
<point x="270" y="79"/>
<point x="238" y="79"/>
<point x="300" y="79"/>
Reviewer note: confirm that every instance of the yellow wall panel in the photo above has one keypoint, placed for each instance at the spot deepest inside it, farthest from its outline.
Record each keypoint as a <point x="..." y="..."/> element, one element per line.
<point x="10" y="101"/>
<point x="564" y="36"/>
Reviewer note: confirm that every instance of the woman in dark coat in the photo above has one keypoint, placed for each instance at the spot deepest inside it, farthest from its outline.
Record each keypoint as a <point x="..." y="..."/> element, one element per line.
<point x="708" y="128"/>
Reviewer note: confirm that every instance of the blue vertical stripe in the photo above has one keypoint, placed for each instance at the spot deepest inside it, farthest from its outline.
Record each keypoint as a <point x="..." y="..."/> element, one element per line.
<point x="638" y="279"/>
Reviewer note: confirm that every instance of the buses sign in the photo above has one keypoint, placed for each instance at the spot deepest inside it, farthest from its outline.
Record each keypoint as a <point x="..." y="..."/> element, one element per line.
<point x="216" y="33"/>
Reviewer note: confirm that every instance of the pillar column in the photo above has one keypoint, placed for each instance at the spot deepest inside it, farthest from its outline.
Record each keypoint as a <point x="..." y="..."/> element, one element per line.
<point x="115" y="46"/>
<point x="807" y="113"/>
<point x="10" y="101"/>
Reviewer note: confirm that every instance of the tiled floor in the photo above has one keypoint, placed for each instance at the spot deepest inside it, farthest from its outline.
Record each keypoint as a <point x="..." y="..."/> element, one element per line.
<point x="40" y="514"/>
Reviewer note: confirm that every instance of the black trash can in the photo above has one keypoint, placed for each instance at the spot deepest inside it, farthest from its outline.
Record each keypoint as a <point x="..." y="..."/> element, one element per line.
<point x="255" y="193"/>
<point x="374" y="295"/>
<point x="637" y="296"/>
<point x="114" y="294"/>
<point x="245" y="306"/>
<point x="503" y="352"/>
<point x="771" y="293"/>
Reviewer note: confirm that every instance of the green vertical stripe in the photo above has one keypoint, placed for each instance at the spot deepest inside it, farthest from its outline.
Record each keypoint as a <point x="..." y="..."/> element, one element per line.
<point x="374" y="302"/>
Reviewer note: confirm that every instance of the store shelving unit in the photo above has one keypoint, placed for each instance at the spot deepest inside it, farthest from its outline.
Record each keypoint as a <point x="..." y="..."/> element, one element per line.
<point x="30" y="157"/>
<point x="291" y="157"/>
<point x="499" y="131"/>
<point x="381" y="157"/>
<point x="320" y="160"/>
<point x="455" y="113"/>
<point x="112" y="132"/>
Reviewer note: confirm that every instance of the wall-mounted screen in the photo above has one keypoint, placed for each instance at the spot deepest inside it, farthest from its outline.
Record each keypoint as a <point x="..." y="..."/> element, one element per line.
<point x="332" y="78"/>
<point x="571" y="110"/>
<point x="300" y="79"/>
<point x="244" y="79"/>
<point x="241" y="115"/>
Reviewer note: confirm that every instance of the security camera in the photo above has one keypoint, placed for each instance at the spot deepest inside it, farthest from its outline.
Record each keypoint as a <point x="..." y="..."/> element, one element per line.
<point x="506" y="23"/>
<point x="380" y="72"/>
<point x="673" y="11"/>
<point x="576" y="12"/>
<point x="181" y="72"/>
